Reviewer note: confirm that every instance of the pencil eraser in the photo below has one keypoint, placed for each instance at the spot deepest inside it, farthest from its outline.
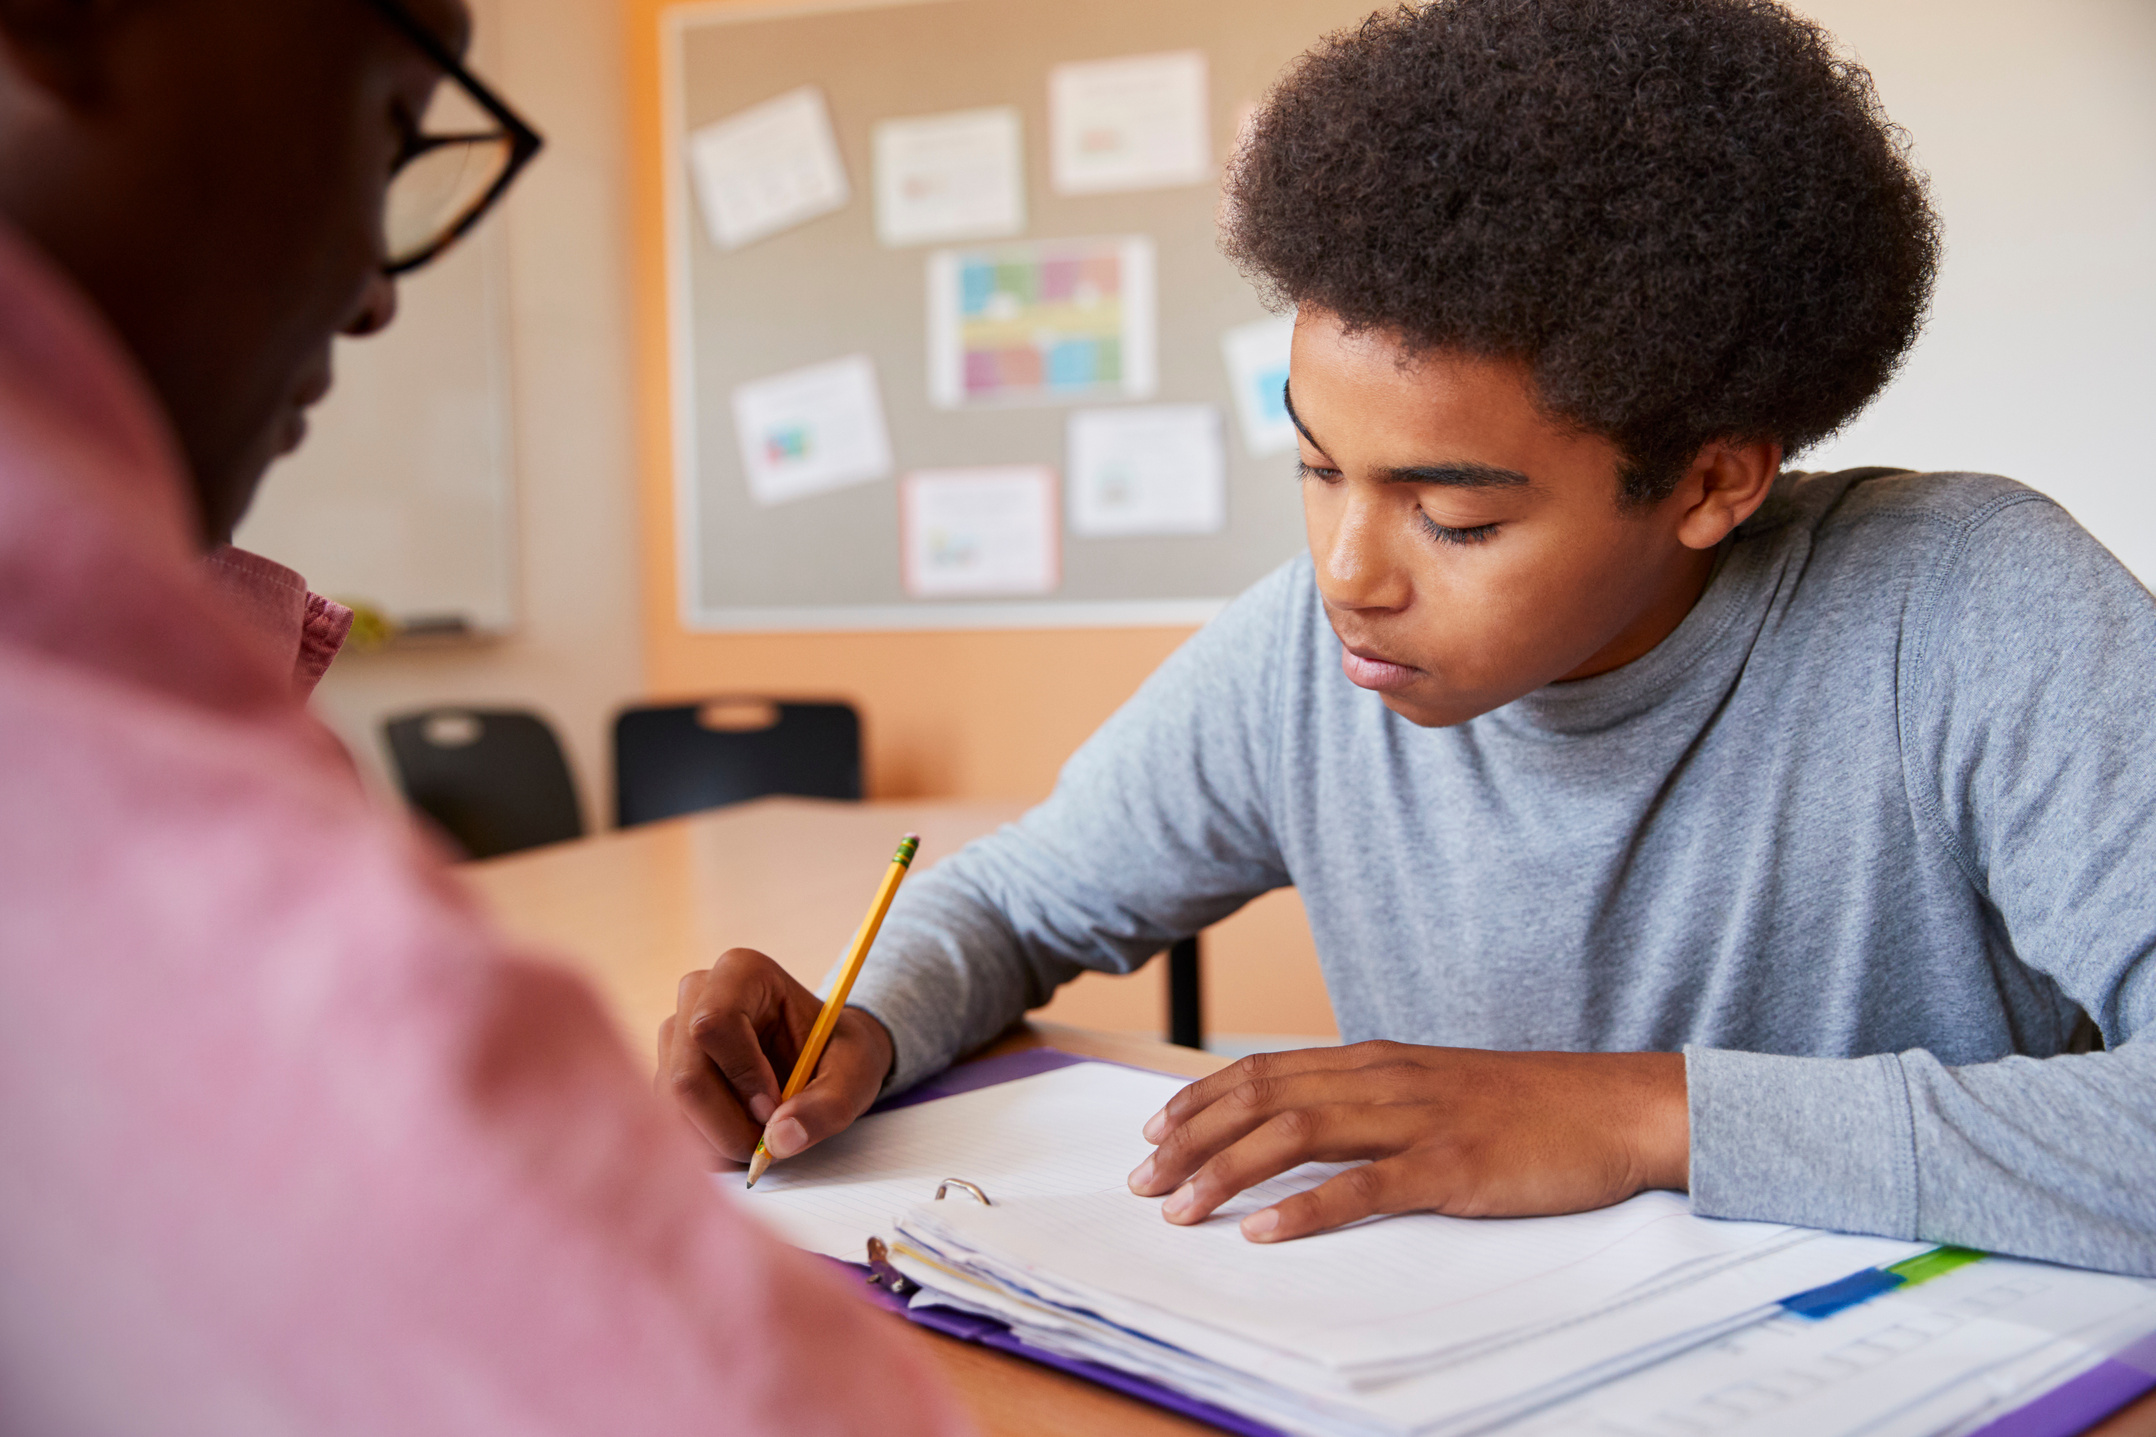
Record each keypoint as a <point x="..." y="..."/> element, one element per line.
<point x="914" y="837"/>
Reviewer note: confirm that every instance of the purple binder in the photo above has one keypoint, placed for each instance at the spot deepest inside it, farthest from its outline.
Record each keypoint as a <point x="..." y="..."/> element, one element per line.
<point x="2069" y="1408"/>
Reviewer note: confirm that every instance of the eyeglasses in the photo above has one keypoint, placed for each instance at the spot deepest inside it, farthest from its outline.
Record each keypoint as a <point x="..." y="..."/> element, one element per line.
<point x="443" y="183"/>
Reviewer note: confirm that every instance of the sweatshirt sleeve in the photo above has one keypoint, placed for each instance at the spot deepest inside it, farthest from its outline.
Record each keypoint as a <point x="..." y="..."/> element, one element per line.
<point x="2028" y="690"/>
<point x="1158" y="826"/>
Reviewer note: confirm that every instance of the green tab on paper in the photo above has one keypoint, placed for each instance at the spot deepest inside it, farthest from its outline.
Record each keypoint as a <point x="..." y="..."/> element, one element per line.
<point x="1937" y="1263"/>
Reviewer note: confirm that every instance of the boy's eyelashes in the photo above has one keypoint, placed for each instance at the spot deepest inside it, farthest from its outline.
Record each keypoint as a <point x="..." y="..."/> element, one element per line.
<point x="1442" y="533"/>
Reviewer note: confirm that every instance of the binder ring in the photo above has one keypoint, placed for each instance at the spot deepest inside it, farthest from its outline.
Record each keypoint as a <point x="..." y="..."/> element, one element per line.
<point x="963" y="1186"/>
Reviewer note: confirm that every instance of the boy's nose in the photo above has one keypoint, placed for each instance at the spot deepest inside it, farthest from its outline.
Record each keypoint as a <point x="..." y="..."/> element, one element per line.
<point x="1358" y="569"/>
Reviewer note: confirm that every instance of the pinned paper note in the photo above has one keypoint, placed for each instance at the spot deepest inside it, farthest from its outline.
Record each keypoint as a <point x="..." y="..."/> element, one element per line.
<point x="1136" y="123"/>
<point x="812" y="430"/>
<point x="1257" y="359"/>
<point x="768" y="168"/>
<point x="950" y="177"/>
<point x="979" y="533"/>
<point x="1150" y="469"/>
<point x="1050" y="322"/>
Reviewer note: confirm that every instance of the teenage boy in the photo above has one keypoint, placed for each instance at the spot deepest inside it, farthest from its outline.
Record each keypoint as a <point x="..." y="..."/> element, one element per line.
<point x="1667" y="820"/>
<point x="292" y="1141"/>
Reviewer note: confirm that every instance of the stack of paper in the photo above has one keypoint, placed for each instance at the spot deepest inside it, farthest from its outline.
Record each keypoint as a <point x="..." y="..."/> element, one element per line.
<point x="1943" y="1355"/>
<point x="1417" y="1324"/>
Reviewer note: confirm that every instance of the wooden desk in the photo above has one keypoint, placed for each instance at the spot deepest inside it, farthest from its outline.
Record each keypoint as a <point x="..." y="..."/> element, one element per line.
<point x="637" y="909"/>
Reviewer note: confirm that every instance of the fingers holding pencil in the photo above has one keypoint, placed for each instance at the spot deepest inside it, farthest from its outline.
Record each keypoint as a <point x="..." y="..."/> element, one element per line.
<point x="834" y="1006"/>
<point x="844" y="1086"/>
<point x="741" y="1024"/>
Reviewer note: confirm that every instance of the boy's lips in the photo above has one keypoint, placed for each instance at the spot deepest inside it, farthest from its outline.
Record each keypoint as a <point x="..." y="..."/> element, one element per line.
<point x="1367" y="669"/>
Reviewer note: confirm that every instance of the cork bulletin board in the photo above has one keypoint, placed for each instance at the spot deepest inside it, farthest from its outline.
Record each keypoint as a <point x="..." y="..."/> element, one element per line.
<point x="840" y="296"/>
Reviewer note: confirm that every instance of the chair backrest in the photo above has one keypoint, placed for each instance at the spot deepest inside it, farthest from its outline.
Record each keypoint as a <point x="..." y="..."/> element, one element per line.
<point x="494" y="779"/>
<point x="684" y="757"/>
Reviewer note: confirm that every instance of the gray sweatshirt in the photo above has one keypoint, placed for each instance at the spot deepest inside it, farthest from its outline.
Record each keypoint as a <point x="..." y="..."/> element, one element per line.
<point x="1862" y="837"/>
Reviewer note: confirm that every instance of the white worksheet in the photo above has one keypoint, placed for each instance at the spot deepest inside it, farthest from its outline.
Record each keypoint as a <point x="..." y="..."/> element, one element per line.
<point x="1256" y="355"/>
<point x="950" y="177"/>
<point x="767" y="168"/>
<point x="1147" y="469"/>
<point x="809" y="431"/>
<point x="1942" y="1356"/>
<point x="1070" y="1130"/>
<point x="1136" y="123"/>
<point x="1340" y="1298"/>
<point x="985" y="532"/>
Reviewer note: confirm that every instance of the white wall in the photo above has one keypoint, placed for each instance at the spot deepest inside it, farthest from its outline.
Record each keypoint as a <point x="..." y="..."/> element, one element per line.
<point x="576" y="651"/>
<point x="2037" y="122"/>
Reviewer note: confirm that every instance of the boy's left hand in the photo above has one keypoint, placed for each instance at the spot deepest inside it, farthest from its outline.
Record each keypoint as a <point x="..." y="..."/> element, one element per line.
<point x="1451" y="1130"/>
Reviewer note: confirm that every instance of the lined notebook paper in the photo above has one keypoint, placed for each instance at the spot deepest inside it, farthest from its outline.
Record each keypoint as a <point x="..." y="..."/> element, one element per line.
<point x="1071" y="1131"/>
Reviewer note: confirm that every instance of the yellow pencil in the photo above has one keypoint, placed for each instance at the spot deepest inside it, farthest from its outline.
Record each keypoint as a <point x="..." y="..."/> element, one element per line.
<point x="827" y="1020"/>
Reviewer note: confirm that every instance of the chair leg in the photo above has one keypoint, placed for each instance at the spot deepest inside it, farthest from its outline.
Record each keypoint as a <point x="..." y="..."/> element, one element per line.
<point x="1186" y="1021"/>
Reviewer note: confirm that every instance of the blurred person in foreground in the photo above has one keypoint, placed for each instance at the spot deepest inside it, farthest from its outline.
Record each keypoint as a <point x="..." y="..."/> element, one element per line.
<point x="293" y="1142"/>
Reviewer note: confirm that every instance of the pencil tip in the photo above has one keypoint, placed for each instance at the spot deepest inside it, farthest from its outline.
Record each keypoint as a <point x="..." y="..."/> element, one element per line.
<point x="758" y="1163"/>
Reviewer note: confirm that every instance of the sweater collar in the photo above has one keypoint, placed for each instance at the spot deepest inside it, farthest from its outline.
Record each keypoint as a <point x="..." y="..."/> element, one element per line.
<point x="1700" y="657"/>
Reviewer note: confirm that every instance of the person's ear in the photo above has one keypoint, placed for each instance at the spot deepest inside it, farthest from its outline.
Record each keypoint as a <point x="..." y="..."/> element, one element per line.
<point x="1727" y="482"/>
<point x="58" y="46"/>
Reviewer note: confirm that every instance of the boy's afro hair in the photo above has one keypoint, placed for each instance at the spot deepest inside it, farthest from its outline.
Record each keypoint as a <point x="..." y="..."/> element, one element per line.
<point x="1689" y="218"/>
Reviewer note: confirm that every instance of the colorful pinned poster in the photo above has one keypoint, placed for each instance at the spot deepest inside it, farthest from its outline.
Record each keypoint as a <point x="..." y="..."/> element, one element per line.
<point x="1057" y="321"/>
<point x="767" y="168"/>
<point x="979" y="533"/>
<point x="1257" y="359"/>
<point x="1136" y="123"/>
<point x="950" y="177"/>
<point x="1147" y="469"/>
<point x="812" y="430"/>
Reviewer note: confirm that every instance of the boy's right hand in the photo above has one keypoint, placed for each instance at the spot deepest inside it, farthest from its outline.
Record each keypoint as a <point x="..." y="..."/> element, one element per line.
<point x="731" y="1044"/>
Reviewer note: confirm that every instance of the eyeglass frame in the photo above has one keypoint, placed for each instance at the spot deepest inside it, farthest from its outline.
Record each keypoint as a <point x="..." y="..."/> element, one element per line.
<point x="524" y="141"/>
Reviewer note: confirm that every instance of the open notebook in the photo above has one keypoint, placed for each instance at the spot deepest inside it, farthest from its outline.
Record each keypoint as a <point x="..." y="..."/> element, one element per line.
<point x="1059" y="1133"/>
<point x="1406" y="1324"/>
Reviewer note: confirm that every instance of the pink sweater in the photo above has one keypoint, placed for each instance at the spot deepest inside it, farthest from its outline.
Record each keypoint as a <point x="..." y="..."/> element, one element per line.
<point x="290" y="1142"/>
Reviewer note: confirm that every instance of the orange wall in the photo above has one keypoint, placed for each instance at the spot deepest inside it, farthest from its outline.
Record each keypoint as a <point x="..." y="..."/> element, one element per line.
<point x="966" y="714"/>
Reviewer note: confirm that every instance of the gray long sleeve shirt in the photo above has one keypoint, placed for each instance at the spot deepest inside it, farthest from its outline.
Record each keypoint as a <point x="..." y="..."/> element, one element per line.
<point x="1861" y="836"/>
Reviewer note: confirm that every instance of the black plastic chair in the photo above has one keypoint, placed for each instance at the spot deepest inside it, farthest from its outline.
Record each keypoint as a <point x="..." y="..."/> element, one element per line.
<point x="686" y="757"/>
<point x="495" y="780"/>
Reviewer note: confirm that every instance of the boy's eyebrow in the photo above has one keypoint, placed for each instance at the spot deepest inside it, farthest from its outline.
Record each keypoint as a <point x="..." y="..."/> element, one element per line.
<point x="1460" y="474"/>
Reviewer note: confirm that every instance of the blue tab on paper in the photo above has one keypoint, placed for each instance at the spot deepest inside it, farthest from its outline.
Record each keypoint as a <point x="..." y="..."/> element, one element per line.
<point x="1835" y="1296"/>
